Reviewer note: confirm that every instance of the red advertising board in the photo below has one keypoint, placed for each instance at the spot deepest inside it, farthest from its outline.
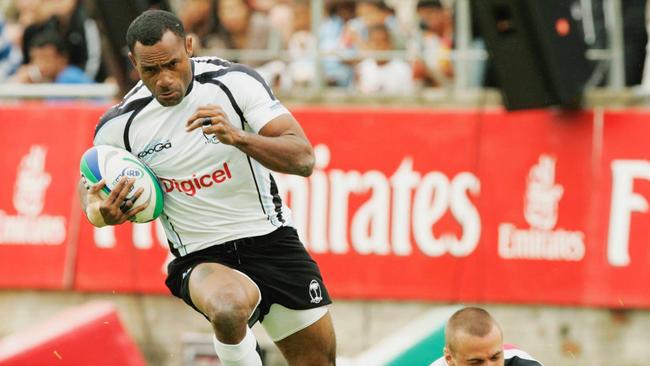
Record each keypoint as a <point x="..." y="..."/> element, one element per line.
<point x="379" y="199"/>
<point x="125" y="258"/>
<point x="536" y="178"/>
<point x="444" y="205"/>
<point x="619" y="272"/>
<point x="39" y="149"/>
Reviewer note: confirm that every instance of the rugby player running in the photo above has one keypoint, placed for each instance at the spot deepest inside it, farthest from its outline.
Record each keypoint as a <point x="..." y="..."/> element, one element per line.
<point x="237" y="257"/>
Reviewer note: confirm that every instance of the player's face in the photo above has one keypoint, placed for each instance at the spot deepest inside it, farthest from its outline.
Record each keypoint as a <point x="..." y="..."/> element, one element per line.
<point x="165" y="67"/>
<point x="469" y="350"/>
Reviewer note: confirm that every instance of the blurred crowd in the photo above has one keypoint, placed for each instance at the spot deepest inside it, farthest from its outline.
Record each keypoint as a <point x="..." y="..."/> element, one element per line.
<point x="49" y="41"/>
<point x="356" y="40"/>
<point x="368" y="46"/>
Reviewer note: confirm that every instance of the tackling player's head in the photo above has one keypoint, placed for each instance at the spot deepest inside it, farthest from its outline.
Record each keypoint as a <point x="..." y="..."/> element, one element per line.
<point x="160" y="52"/>
<point x="473" y="337"/>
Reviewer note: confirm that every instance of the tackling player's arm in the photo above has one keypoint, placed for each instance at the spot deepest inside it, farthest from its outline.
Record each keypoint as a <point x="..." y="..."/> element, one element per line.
<point x="115" y="209"/>
<point x="281" y="144"/>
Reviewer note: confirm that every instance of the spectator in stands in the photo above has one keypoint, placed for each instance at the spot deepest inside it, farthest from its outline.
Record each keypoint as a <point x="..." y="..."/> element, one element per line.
<point x="383" y="76"/>
<point x="330" y="36"/>
<point x="265" y="6"/>
<point x="280" y="14"/>
<point x="301" y="44"/>
<point x="433" y="43"/>
<point x="10" y="55"/>
<point x="241" y="28"/>
<point x="20" y="14"/>
<point x="79" y="32"/>
<point x="28" y="12"/>
<point x="50" y="63"/>
<point x="370" y="13"/>
<point x="473" y="337"/>
<point x="301" y="47"/>
<point x="199" y="19"/>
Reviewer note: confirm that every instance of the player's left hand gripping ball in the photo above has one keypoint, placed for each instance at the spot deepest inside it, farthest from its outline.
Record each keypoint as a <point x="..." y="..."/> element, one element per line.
<point x="112" y="164"/>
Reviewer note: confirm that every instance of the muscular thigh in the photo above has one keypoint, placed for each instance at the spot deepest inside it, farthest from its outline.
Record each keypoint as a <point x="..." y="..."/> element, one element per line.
<point x="312" y="346"/>
<point x="211" y="281"/>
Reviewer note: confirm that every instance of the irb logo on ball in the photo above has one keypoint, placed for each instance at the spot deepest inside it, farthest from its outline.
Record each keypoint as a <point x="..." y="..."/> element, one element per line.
<point x="132" y="172"/>
<point x="112" y="164"/>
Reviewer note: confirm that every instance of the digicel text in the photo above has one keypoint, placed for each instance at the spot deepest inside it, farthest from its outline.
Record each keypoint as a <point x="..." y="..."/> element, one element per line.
<point x="190" y="186"/>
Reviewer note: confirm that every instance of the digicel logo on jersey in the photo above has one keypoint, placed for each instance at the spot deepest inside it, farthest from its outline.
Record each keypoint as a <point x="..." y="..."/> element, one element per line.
<point x="191" y="186"/>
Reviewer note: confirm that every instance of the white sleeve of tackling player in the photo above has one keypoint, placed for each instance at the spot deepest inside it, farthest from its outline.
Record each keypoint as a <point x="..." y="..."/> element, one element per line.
<point x="255" y="98"/>
<point x="439" y="362"/>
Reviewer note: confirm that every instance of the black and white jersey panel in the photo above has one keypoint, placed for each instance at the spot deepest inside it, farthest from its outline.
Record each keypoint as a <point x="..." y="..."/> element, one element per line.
<point x="214" y="192"/>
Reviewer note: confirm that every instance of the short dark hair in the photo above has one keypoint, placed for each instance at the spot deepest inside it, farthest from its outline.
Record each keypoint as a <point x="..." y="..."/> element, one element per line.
<point x="435" y="4"/>
<point x="50" y="38"/>
<point x="149" y="27"/>
<point x="471" y="320"/>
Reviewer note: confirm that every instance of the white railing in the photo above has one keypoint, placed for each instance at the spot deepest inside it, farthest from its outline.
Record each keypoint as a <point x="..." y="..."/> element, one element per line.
<point x="39" y="91"/>
<point x="612" y="59"/>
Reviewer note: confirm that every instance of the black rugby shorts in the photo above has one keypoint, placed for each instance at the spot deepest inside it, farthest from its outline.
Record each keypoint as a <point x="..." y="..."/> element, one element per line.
<point x="277" y="262"/>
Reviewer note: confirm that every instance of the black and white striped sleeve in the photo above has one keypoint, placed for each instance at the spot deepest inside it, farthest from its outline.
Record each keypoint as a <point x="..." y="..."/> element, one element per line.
<point x="254" y="97"/>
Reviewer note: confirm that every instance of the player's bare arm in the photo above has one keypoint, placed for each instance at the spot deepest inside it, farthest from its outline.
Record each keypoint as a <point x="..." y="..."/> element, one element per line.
<point x="281" y="144"/>
<point x="115" y="209"/>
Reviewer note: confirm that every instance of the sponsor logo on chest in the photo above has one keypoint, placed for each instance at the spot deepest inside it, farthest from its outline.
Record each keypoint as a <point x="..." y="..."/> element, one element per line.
<point x="191" y="186"/>
<point x="154" y="147"/>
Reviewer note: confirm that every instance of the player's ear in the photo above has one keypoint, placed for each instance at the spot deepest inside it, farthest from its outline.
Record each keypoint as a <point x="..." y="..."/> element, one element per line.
<point x="132" y="59"/>
<point x="448" y="357"/>
<point x="189" y="46"/>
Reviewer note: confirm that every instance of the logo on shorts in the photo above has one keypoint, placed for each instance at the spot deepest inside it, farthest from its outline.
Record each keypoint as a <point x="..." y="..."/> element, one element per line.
<point x="314" y="292"/>
<point x="187" y="271"/>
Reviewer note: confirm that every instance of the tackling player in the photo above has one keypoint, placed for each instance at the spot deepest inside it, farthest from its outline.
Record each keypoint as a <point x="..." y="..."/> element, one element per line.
<point x="473" y="337"/>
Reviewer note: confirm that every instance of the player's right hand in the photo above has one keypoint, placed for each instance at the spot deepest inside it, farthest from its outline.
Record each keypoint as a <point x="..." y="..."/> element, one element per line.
<point x="116" y="208"/>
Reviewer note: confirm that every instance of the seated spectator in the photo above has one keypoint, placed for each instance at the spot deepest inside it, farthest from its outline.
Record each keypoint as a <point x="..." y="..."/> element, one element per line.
<point x="79" y="33"/>
<point x="241" y="28"/>
<point x="370" y="13"/>
<point x="50" y="63"/>
<point x="199" y="20"/>
<point x="10" y="55"/>
<point x="264" y="6"/>
<point x="19" y="15"/>
<point x="301" y="47"/>
<point x="330" y="36"/>
<point x="433" y="44"/>
<point x="473" y="337"/>
<point x="383" y="76"/>
<point x="280" y="15"/>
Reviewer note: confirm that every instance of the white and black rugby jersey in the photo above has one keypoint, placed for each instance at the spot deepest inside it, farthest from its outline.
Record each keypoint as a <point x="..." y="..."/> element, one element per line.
<point x="214" y="192"/>
<point x="511" y="355"/>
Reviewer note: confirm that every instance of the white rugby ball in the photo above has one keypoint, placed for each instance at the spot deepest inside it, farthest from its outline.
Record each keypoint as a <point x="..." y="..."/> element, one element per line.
<point x="111" y="164"/>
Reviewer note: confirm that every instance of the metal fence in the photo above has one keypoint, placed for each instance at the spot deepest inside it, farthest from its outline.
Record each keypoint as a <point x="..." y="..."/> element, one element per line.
<point x="463" y="56"/>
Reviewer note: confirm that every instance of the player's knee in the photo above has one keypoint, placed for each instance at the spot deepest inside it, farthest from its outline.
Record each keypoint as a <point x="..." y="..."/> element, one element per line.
<point x="227" y="311"/>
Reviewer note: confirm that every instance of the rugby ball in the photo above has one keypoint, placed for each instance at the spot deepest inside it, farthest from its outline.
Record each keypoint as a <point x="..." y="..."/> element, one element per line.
<point x="111" y="164"/>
